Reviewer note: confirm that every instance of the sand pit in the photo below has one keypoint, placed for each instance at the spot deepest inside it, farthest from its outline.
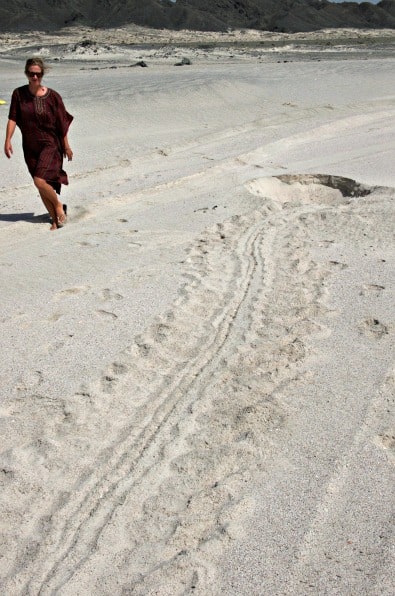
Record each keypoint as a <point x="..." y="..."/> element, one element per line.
<point x="197" y="370"/>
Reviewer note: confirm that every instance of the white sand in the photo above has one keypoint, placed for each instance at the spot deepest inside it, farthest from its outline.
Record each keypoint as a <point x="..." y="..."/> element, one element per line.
<point x="197" y="370"/>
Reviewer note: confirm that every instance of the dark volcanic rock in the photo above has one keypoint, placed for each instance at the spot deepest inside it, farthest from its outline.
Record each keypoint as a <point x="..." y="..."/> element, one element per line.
<point x="203" y="15"/>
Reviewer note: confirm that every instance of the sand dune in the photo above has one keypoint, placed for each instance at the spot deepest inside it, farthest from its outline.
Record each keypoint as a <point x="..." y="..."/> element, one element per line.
<point x="197" y="370"/>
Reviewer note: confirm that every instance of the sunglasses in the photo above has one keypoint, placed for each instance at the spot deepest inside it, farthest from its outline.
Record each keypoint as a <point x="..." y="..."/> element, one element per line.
<point x="34" y="74"/>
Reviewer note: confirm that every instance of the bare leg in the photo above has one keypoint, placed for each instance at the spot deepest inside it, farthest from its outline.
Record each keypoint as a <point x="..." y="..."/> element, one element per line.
<point x="51" y="211"/>
<point x="51" y="202"/>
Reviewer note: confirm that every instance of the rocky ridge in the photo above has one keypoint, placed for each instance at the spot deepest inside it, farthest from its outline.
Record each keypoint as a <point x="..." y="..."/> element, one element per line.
<point x="286" y="16"/>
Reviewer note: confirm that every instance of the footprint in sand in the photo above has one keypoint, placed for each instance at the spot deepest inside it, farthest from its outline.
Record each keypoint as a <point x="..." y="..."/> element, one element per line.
<point x="387" y="440"/>
<point x="338" y="264"/>
<point x="106" y="313"/>
<point x="112" y="377"/>
<point x="369" y="289"/>
<point x="28" y="380"/>
<point x="108" y="294"/>
<point x="55" y="317"/>
<point x="373" y="327"/>
<point x="87" y="244"/>
<point x="75" y="290"/>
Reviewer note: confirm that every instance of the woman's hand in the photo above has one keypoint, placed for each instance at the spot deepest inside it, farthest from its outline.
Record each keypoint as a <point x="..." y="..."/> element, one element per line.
<point x="8" y="149"/>
<point x="11" y="125"/>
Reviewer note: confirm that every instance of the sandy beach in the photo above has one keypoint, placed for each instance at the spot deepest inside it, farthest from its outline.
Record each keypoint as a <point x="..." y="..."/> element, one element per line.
<point x="197" y="372"/>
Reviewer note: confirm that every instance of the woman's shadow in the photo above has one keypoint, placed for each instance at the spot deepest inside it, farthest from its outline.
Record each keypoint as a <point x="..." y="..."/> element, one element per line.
<point x="30" y="217"/>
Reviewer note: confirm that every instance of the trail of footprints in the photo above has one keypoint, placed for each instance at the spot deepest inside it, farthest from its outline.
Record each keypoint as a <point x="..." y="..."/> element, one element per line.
<point x="104" y="295"/>
<point x="172" y="434"/>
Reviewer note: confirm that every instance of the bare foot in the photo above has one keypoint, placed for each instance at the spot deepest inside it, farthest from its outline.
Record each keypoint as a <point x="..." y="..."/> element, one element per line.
<point x="61" y="214"/>
<point x="62" y="220"/>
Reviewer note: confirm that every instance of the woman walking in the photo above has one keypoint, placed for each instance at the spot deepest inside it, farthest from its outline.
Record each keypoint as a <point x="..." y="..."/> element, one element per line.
<point x="40" y="114"/>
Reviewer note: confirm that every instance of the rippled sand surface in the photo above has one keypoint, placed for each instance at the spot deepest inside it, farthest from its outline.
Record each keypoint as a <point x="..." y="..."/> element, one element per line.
<point x="197" y="370"/>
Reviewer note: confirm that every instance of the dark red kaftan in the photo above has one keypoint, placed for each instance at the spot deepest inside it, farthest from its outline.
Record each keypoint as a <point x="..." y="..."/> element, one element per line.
<point x="44" y="123"/>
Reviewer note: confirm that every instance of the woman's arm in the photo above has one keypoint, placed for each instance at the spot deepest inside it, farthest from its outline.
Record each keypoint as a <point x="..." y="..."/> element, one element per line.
<point x="11" y="124"/>
<point x="66" y="149"/>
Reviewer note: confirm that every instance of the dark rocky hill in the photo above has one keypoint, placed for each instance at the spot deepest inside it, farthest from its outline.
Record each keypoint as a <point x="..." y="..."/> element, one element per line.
<point x="204" y="15"/>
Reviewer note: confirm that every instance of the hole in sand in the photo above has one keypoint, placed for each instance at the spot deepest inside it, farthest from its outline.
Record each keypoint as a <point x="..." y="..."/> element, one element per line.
<point x="347" y="186"/>
<point x="321" y="189"/>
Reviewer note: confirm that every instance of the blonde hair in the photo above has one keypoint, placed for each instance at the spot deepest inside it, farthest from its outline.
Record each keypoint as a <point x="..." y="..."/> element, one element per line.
<point x="36" y="62"/>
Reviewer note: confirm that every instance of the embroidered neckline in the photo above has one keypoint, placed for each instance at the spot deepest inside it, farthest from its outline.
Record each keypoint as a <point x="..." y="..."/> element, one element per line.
<point x="39" y="100"/>
<point x="39" y="96"/>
